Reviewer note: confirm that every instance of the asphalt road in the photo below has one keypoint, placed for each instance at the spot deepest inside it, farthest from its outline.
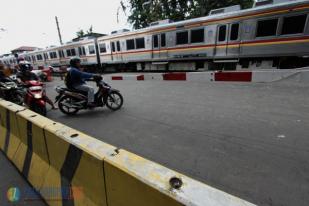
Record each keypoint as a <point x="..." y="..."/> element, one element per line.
<point x="250" y="140"/>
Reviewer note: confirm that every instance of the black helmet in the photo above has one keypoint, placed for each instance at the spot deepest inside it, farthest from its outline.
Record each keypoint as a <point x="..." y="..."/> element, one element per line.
<point x="25" y="66"/>
<point x="74" y="61"/>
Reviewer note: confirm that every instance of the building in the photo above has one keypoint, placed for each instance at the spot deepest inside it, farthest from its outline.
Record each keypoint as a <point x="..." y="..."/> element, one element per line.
<point x="23" y="49"/>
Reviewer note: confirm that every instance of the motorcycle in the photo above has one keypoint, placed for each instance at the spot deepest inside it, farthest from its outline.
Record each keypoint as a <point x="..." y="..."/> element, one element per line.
<point x="34" y="97"/>
<point x="70" y="101"/>
<point x="11" y="91"/>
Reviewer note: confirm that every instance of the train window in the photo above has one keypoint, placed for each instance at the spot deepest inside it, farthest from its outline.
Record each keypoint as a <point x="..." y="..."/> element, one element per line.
<point x="33" y="58"/>
<point x="69" y="53"/>
<point x="130" y="44"/>
<point x="91" y="49"/>
<point x="73" y="52"/>
<point x="155" y="39"/>
<point x="59" y="53"/>
<point x="80" y="51"/>
<point x="234" y="32"/>
<point x="39" y="57"/>
<point x="294" y="24"/>
<point x="267" y="27"/>
<point x="102" y="48"/>
<point x="118" y="46"/>
<point x="140" y="43"/>
<point x="83" y="50"/>
<point x="113" y="47"/>
<point x="163" y="40"/>
<point x="53" y="55"/>
<point x="182" y="37"/>
<point x="197" y="35"/>
<point x="222" y="33"/>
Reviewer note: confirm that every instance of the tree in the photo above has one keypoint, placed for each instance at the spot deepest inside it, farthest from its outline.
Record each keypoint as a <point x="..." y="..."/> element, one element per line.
<point x="90" y="30"/>
<point x="144" y="12"/>
<point x="80" y="33"/>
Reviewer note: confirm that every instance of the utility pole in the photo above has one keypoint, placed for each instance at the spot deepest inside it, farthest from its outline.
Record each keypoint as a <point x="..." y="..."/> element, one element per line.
<point x="60" y="39"/>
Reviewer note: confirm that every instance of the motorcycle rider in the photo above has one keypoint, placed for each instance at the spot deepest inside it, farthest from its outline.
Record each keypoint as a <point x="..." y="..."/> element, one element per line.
<point x="75" y="79"/>
<point x="25" y="75"/>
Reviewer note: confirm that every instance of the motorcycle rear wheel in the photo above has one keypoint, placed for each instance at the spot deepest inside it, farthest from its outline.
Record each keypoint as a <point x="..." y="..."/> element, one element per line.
<point x="64" y="108"/>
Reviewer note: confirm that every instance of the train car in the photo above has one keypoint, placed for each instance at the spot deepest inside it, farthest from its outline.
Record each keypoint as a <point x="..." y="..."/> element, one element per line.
<point x="38" y="58"/>
<point x="273" y="34"/>
<point x="60" y="56"/>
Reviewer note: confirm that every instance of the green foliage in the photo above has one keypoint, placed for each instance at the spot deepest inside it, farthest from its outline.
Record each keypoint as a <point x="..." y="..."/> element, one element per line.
<point x="90" y="30"/>
<point x="143" y="12"/>
<point x="80" y="33"/>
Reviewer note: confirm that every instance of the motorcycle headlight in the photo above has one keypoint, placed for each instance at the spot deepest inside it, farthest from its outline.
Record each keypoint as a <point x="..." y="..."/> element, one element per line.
<point x="37" y="95"/>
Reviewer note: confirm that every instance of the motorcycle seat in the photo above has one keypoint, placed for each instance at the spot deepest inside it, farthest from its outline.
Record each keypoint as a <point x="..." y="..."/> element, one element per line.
<point x="75" y="91"/>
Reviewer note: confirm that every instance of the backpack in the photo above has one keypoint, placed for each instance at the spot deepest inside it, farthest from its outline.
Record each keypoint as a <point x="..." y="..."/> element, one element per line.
<point x="68" y="80"/>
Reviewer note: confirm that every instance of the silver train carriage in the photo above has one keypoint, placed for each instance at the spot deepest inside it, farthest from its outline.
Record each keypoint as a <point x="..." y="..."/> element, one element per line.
<point x="57" y="56"/>
<point x="266" y="36"/>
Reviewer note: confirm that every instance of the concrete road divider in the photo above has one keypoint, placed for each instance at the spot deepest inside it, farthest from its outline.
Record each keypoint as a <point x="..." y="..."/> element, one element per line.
<point x="200" y="76"/>
<point x="133" y="180"/>
<point x="31" y="158"/>
<point x="258" y="76"/>
<point x="9" y="134"/>
<point x="233" y="76"/>
<point x="67" y="167"/>
<point x="76" y="165"/>
<point x="175" y="77"/>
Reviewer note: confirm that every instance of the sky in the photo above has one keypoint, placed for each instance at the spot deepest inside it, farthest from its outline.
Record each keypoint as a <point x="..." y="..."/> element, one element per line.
<point x="32" y="22"/>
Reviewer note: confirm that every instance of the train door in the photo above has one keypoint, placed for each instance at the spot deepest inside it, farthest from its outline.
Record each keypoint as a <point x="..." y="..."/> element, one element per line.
<point x="233" y="47"/>
<point x="116" y="51"/>
<point x="155" y="46"/>
<point x="159" y="45"/>
<point x="221" y="41"/>
<point x="228" y="41"/>
<point x="163" y="49"/>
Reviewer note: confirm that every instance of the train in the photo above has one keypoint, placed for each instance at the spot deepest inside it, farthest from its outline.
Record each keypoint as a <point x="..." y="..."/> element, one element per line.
<point x="272" y="34"/>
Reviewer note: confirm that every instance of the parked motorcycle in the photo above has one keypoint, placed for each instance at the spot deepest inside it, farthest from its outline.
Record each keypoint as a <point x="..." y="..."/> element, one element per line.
<point x="11" y="91"/>
<point x="35" y="97"/>
<point x="70" y="101"/>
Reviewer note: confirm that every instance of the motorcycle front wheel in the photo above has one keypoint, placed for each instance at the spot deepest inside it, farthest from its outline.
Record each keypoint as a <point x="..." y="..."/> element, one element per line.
<point x="114" y="100"/>
<point x="39" y="109"/>
<point x="65" y="105"/>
